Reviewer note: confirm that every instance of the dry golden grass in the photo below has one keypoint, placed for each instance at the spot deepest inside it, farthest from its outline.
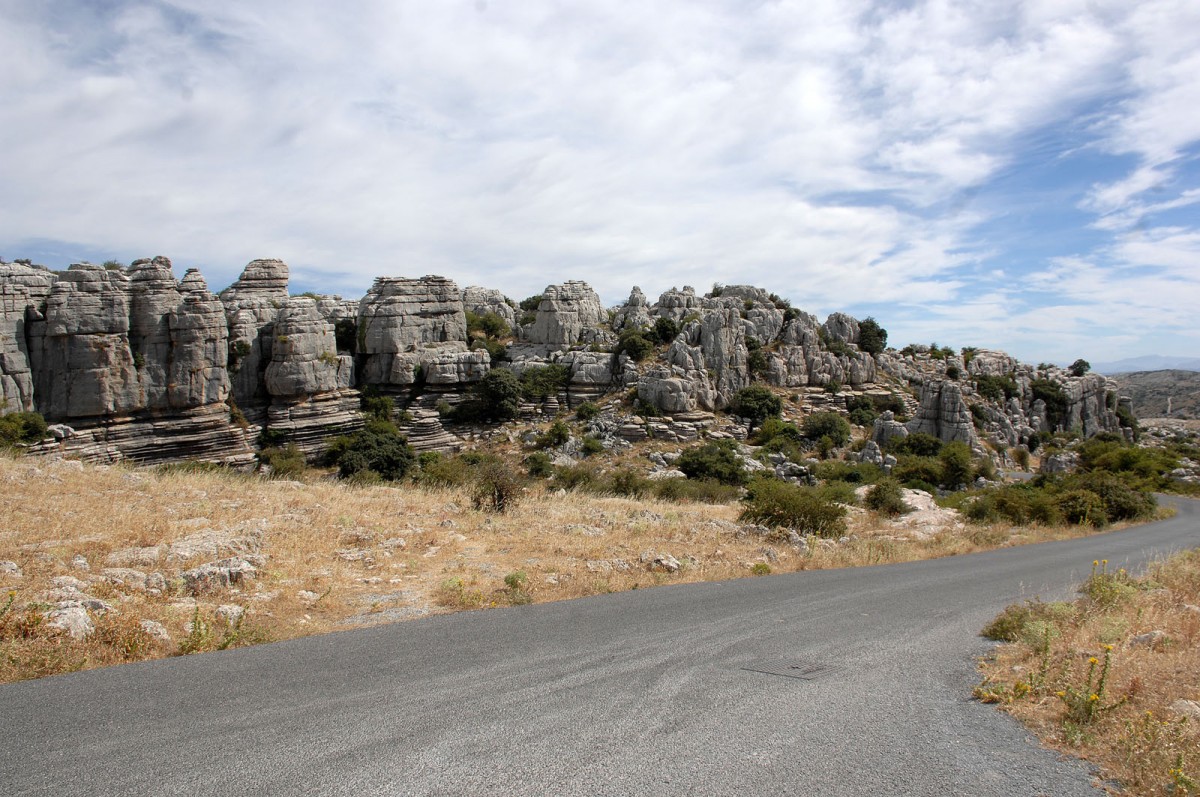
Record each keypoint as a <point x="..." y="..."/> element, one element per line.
<point x="335" y="556"/>
<point x="1108" y="677"/>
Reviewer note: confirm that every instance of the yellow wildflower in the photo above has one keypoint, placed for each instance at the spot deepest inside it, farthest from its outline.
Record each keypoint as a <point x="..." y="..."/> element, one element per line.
<point x="1093" y="660"/>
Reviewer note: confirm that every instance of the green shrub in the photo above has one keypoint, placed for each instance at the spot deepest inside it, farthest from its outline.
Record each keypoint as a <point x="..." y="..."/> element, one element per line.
<point x="665" y="330"/>
<point x="862" y="410"/>
<point x="757" y="403"/>
<point x="1121" y="502"/>
<point x="1055" y="398"/>
<point x="850" y="472"/>
<point x="1082" y="507"/>
<point x="634" y="343"/>
<point x="776" y="503"/>
<point x="496" y="397"/>
<point x="531" y="303"/>
<point x="587" y="410"/>
<point x="827" y="424"/>
<point x="714" y="460"/>
<point x="556" y="435"/>
<point x="286" y="462"/>
<point x="591" y="445"/>
<point x="1013" y="624"/>
<point x="442" y="471"/>
<point x="488" y="324"/>
<point x="995" y="388"/>
<point x="917" y="444"/>
<point x="378" y="446"/>
<point x="542" y="381"/>
<point x="777" y="431"/>
<point x="706" y="491"/>
<point x="627" y="482"/>
<point x="955" y="459"/>
<point x="538" y="464"/>
<point x="910" y="470"/>
<point x="885" y="498"/>
<point x="378" y="407"/>
<point x="574" y="477"/>
<point x="21" y="427"/>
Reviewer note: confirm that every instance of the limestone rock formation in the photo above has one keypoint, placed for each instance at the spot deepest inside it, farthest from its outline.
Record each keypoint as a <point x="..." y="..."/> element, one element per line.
<point x="399" y="318"/>
<point x="634" y="314"/>
<point x="944" y="414"/>
<point x="481" y="301"/>
<point x="569" y="314"/>
<point x="22" y="290"/>
<point x="251" y="305"/>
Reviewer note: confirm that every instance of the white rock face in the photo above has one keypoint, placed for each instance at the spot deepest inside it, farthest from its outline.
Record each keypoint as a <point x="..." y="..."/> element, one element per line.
<point x="566" y="315"/>
<point x="400" y="317"/>
<point x="304" y="359"/>
<point x="488" y="300"/>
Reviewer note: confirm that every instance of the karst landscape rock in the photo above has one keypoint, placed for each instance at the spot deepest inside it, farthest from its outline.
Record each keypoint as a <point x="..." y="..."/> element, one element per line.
<point x="139" y="364"/>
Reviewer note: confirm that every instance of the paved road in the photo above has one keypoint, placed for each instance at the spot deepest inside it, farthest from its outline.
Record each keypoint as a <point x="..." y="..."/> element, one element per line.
<point x="638" y="693"/>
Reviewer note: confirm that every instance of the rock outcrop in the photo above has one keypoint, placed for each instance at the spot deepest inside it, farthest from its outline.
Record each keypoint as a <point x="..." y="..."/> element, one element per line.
<point x="569" y="314"/>
<point x="401" y="319"/>
<point x="23" y="289"/>
<point x="481" y="301"/>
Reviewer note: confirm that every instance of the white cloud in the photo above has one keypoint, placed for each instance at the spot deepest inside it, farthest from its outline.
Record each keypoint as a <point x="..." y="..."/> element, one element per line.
<point x="803" y="147"/>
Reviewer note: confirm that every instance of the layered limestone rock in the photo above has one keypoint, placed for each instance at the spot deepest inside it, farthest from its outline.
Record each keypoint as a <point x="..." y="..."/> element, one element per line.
<point x="678" y="304"/>
<point x="82" y="363"/>
<point x="401" y="319"/>
<point x="634" y="314"/>
<point x="482" y="301"/>
<point x="944" y="414"/>
<point x="22" y="290"/>
<point x="569" y="314"/>
<point x="252" y="304"/>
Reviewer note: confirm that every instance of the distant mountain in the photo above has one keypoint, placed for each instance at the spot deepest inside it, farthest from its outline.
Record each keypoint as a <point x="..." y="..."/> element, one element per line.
<point x="1154" y="391"/>
<point x="1147" y="362"/>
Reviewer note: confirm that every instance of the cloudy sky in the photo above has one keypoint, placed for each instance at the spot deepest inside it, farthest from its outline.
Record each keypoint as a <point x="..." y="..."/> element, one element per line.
<point x="1015" y="175"/>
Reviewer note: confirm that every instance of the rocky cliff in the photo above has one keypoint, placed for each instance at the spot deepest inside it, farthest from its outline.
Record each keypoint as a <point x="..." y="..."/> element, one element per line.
<point x="134" y="363"/>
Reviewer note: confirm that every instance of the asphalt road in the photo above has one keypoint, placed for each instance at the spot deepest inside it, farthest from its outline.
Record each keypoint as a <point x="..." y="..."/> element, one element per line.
<point x="638" y="693"/>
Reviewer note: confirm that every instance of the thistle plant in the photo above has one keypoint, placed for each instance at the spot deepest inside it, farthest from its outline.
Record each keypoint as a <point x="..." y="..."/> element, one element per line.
<point x="1086" y="701"/>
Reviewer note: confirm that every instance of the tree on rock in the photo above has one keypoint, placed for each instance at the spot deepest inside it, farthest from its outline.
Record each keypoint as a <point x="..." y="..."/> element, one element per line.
<point x="1080" y="367"/>
<point x="756" y="403"/>
<point x="872" y="338"/>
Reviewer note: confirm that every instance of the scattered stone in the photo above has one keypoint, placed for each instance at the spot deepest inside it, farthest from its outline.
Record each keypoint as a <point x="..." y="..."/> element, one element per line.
<point x="231" y="613"/>
<point x="215" y="575"/>
<point x="1150" y="639"/>
<point x="80" y="562"/>
<point x="134" y="557"/>
<point x="156" y="630"/>
<point x="308" y="596"/>
<point x="1186" y="708"/>
<point x="12" y="569"/>
<point x="607" y="565"/>
<point x="73" y="619"/>
<point x="585" y="530"/>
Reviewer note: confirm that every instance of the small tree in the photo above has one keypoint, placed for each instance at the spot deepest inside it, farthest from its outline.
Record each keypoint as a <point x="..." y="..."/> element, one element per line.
<point x="665" y="330"/>
<point x="872" y="338"/>
<point x="827" y="424"/>
<point x="494" y="398"/>
<point x="956" y="465"/>
<point x="1080" y="367"/>
<point x="756" y="403"/>
<point x="714" y="460"/>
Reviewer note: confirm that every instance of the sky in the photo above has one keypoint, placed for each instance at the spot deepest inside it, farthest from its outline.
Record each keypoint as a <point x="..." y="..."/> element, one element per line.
<point x="1022" y="176"/>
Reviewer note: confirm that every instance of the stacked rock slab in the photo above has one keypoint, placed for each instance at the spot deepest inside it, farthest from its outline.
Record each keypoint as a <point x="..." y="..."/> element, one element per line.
<point x="482" y="301"/>
<point x="309" y="382"/>
<point x="403" y="322"/>
<point x="252" y="304"/>
<point x="569" y="314"/>
<point x="23" y="289"/>
<point x="134" y="364"/>
<point x="944" y="414"/>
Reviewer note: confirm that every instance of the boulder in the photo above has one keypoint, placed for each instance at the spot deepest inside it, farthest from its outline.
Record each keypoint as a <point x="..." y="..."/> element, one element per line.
<point x="481" y="301"/>
<point x="569" y="313"/>
<point x="400" y="317"/>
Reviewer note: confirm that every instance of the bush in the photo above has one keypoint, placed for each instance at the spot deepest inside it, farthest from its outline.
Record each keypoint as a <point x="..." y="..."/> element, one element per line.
<point x="827" y="424"/>
<point x="1080" y="367"/>
<point x="776" y="431"/>
<point x="665" y="330"/>
<point x="591" y="445"/>
<point x="286" y="462"/>
<point x="538" y="464"/>
<point x="378" y="407"/>
<point x="627" y="482"/>
<point x="849" y="472"/>
<point x="497" y="487"/>
<point x="1055" y="398"/>
<point x="573" y="477"/>
<point x="634" y="343"/>
<point x="872" y="338"/>
<point x="885" y="498"/>
<point x="707" y="491"/>
<point x="776" y="503"/>
<point x="918" y="444"/>
<point x="440" y="471"/>
<point x="530" y="304"/>
<point x="556" y="435"/>
<point x="913" y="471"/>
<point x="714" y="460"/>
<point x="1121" y="502"/>
<point x="377" y="447"/>
<point x="955" y="459"/>
<point x="21" y="427"/>
<point x="489" y="324"/>
<point x="1082" y="507"/>
<point x="995" y="388"/>
<point x="756" y="403"/>
<point x="587" y="410"/>
<point x="862" y="410"/>
<point x="496" y="397"/>
<point x="542" y="381"/>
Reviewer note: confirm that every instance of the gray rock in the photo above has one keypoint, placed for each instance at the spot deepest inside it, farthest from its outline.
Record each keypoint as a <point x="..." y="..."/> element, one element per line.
<point x="634" y="314"/>
<point x="304" y="359"/>
<point x="230" y="613"/>
<point x="399" y="318"/>
<point x="1149" y="639"/>
<point x="1060" y="462"/>
<point x="488" y="300"/>
<point x="156" y="630"/>
<point x="887" y="428"/>
<point x="569" y="313"/>
<point x="944" y="414"/>
<point x="8" y="568"/>
<point x="216" y="575"/>
<point x="73" y="619"/>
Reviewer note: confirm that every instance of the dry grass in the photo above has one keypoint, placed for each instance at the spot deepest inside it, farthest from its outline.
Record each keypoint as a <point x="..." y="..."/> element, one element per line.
<point x="1109" y="677"/>
<point x="330" y="556"/>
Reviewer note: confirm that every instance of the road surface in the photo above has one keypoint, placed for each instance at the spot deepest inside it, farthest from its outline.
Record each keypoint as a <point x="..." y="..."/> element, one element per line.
<point x="651" y="692"/>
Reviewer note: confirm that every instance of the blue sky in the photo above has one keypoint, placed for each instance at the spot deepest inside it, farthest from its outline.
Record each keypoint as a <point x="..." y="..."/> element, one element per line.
<point x="1021" y="176"/>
